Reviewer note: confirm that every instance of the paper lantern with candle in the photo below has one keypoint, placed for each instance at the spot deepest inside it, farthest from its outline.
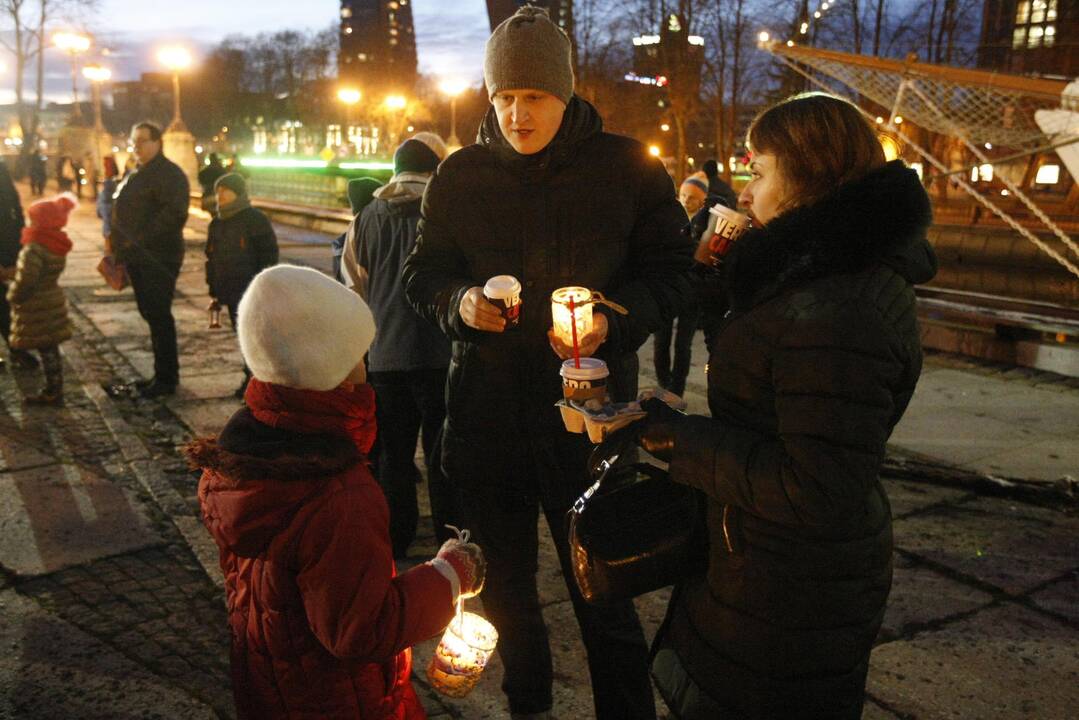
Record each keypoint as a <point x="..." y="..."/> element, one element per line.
<point x="581" y="315"/>
<point x="462" y="654"/>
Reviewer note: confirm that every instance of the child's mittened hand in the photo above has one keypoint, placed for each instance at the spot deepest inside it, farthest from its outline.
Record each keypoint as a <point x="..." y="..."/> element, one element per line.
<point x="468" y="562"/>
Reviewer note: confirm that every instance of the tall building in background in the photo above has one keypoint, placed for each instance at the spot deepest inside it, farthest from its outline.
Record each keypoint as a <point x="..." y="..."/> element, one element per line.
<point x="1030" y="36"/>
<point x="378" y="45"/>
<point x="561" y="11"/>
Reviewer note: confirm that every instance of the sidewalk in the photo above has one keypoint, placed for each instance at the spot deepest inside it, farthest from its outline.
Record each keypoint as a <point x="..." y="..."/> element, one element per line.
<point x="108" y="574"/>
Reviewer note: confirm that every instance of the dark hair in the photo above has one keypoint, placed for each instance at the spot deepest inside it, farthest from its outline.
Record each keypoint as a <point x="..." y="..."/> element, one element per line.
<point x="820" y="142"/>
<point x="710" y="169"/>
<point x="152" y="128"/>
<point x="110" y="166"/>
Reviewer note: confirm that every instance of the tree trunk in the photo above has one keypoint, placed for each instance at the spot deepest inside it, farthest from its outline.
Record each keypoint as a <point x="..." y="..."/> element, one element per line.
<point x="876" y="27"/>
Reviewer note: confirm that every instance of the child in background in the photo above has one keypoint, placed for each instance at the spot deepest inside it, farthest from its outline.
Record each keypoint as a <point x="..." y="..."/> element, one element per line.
<point x="39" y="318"/>
<point x="321" y="622"/>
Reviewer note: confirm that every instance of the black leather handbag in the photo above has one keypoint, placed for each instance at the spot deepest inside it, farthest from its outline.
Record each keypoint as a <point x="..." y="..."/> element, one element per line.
<point x="633" y="531"/>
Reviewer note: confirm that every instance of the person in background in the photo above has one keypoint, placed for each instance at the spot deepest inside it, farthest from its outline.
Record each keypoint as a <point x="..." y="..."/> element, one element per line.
<point x="105" y="197"/>
<point x="810" y="373"/>
<point x="360" y="193"/>
<point x="717" y="186"/>
<point x="321" y="622"/>
<point x="66" y="174"/>
<point x="11" y="226"/>
<point x="39" y="318"/>
<point x="672" y="376"/>
<point x="409" y="357"/>
<point x="240" y="243"/>
<point x="149" y="215"/>
<point x="207" y="179"/>
<point x="38" y="171"/>
<point x="547" y="196"/>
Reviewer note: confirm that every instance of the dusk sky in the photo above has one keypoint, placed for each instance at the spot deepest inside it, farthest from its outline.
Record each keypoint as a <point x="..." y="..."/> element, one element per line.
<point x="449" y="33"/>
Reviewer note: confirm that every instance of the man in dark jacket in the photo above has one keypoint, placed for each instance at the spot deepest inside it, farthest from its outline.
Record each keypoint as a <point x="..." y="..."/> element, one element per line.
<point x="546" y="196"/>
<point x="409" y="358"/>
<point x="148" y="237"/>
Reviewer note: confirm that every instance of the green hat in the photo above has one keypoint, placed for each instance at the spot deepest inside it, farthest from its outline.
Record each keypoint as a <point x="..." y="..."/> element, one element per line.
<point x="529" y="51"/>
<point x="234" y="182"/>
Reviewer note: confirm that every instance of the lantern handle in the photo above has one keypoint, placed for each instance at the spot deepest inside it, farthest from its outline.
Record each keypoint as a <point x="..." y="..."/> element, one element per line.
<point x="598" y="299"/>
<point x="462" y="535"/>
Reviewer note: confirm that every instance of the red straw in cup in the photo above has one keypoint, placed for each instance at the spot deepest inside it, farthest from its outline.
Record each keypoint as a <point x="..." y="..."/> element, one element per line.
<point x="573" y="325"/>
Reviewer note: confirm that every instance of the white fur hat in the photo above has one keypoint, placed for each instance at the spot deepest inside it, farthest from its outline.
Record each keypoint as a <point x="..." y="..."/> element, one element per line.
<point x="300" y="329"/>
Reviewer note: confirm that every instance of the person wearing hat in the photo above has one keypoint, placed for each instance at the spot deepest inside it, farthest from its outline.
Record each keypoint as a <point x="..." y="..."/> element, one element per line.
<point x="547" y="196"/>
<point x="240" y="243"/>
<point x="361" y="191"/>
<point x="39" y="318"/>
<point x="693" y="193"/>
<point x="321" y="622"/>
<point x="409" y="357"/>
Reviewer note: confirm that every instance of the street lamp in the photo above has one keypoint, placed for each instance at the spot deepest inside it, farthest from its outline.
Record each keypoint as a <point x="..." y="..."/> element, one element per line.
<point x="175" y="58"/>
<point x="350" y="96"/>
<point x="73" y="44"/>
<point x="97" y="75"/>
<point x="396" y="102"/>
<point x="452" y="88"/>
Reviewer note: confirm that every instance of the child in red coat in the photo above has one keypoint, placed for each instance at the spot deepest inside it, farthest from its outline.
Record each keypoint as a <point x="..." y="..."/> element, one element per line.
<point x="321" y="623"/>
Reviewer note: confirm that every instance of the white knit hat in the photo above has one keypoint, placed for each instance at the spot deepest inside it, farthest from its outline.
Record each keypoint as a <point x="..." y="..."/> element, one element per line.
<point x="300" y="329"/>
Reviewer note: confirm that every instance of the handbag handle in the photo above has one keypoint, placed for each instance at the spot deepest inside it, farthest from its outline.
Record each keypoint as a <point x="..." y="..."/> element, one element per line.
<point x="610" y="449"/>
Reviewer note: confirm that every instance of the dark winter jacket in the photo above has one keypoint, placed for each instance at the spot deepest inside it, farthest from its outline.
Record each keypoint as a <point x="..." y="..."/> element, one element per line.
<point x="382" y="237"/>
<point x="238" y="249"/>
<point x="813" y="369"/>
<point x="592" y="209"/>
<point x="320" y="623"/>
<point x="11" y="219"/>
<point x="39" y="316"/>
<point x="149" y="214"/>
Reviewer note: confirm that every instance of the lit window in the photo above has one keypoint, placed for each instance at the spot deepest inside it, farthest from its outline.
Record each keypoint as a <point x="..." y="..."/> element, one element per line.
<point x="1048" y="175"/>
<point x="346" y="12"/>
<point x="1050" y="35"/>
<point x="986" y="172"/>
<point x="1034" y="39"/>
<point x="1022" y="13"/>
<point x="1019" y="37"/>
<point x="917" y="168"/>
<point x="348" y="30"/>
<point x="1037" y="11"/>
<point x="393" y="41"/>
<point x="362" y="57"/>
<point x="1051" y="14"/>
<point x="393" y="31"/>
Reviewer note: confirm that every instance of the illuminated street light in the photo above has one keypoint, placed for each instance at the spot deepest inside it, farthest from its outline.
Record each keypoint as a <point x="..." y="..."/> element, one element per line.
<point x="175" y="58"/>
<point x="452" y="88"/>
<point x="349" y="96"/>
<point x="396" y="102"/>
<point x="73" y="44"/>
<point x="665" y="127"/>
<point x="764" y="37"/>
<point x="653" y="150"/>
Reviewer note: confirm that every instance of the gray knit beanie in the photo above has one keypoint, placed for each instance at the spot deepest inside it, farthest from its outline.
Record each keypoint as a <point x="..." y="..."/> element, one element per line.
<point x="529" y="51"/>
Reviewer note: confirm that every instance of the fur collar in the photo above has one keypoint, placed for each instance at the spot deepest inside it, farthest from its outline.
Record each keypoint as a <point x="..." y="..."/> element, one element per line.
<point x="881" y="218"/>
<point x="248" y="451"/>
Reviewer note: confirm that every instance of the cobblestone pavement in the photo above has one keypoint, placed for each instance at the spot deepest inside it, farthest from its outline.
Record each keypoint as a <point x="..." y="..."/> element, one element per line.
<point x="111" y="600"/>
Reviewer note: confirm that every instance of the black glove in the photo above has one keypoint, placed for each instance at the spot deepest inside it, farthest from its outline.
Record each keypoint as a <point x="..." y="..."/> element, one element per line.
<point x="656" y="432"/>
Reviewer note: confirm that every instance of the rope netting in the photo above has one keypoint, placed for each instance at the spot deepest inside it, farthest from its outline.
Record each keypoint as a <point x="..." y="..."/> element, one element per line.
<point x="981" y="109"/>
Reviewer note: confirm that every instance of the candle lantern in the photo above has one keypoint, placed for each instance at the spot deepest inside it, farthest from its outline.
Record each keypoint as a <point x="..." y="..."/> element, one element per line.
<point x="462" y="654"/>
<point x="564" y="320"/>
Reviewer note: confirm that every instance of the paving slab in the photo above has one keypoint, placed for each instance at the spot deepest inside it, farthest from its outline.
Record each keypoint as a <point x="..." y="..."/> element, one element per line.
<point x="1001" y="664"/>
<point x="51" y="669"/>
<point x="1060" y="597"/>
<point x="908" y="497"/>
<point x="62" y="515"/>
<point x="1008" y="545"/>
<point x="908" y="610"/>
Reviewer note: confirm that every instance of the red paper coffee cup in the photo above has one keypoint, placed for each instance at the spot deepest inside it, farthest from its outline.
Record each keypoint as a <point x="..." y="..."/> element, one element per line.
<point x="725" y="226"/>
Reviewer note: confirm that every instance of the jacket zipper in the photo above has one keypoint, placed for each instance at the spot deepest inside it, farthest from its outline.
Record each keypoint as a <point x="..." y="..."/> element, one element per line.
<point x="726" y="529"/>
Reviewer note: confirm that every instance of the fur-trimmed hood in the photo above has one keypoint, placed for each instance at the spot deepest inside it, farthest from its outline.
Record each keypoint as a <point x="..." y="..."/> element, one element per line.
<point x="881" y="218"/>
<point x="255" y="478"/>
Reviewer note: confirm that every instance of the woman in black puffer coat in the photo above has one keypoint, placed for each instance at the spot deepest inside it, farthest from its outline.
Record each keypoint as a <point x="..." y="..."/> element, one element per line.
<point x="813" y="367"/>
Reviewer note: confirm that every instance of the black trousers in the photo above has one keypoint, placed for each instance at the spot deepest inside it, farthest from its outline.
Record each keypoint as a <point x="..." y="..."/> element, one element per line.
<point x="154" y="283"/>
<point x="5" y="313"/>
<point x="612" y="634"/>
<point x="673" y="377"/>
<point x="411" y="404"/>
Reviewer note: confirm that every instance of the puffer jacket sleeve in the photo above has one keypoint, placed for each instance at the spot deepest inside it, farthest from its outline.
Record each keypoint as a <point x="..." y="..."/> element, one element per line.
<point x="263" y="242"/>
<point x="173" y="195"/>
<point x="355" y="606"/>
<point x="435" y="274"/>
<point x="28" y="270"/>
<point x="656" y="282"/>
<point x="835" y="383"/>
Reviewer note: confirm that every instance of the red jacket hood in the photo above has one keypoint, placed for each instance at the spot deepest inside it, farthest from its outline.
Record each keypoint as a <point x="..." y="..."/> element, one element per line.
<point x="256" y="478"/>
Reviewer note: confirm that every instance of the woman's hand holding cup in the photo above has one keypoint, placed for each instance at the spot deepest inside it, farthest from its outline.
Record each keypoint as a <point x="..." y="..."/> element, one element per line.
<point x="586" y="345"/>
<point x="478" y="313"/>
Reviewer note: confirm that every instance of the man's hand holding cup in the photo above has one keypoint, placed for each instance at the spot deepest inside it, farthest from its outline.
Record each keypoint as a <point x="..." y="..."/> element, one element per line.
<point x="480" y="314"/>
